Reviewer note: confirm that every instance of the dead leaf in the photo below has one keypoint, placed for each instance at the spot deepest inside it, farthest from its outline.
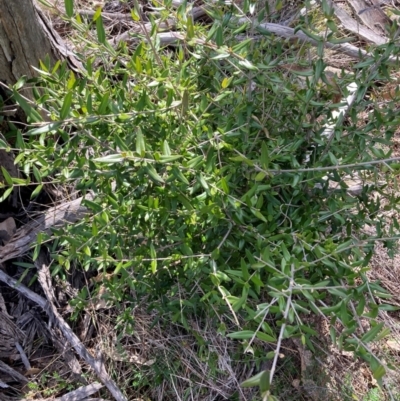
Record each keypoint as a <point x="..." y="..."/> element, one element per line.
<point x="32" y="371"/>
<point x="393" y="345"/>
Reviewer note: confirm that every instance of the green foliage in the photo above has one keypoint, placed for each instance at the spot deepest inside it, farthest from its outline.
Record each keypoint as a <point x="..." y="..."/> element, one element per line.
<point x="202" y="200"/>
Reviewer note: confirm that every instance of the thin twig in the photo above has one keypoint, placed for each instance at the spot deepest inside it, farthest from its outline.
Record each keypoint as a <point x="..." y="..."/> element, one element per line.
<point x="328" y="168"/>
<point x="285" y="316"/>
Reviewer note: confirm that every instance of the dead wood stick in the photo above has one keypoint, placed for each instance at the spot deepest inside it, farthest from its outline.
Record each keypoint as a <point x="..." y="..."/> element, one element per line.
<point x="170" y="38"/>
<point x="96" y="364"/>
<point x="12" y="372"/>
<point x="65" y="350"/>
<point x="24" y="358"/>
<point x="81" y="393"/>
<point x="372" y="17"/>
<point x="57" y="217"/>
<point x="286" y="32"/>
<point x="106" y="16"/>
<point x="353" y="26"/>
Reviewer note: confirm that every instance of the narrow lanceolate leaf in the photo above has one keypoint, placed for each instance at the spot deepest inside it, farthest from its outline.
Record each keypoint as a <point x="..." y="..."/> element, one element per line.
<point x="140" y="145"/>
<point x="165" y="149"/>
<point x="153" y="255"/>
<point x="66" y="106"/>
<point x="69" y="8"/>
<point x="379" y="372"/>
<point x="253" y="381"/>
<point x="190" y="28"/>
<point x="115" y="158"/>
<point x="371" y="334"/>
<point x="265" y="337"/>
<point x="241" y="335"/>
<point x="6" y="194"/>
<point x="7" y="176"/>
<point x="44" y="129"/>
<point x="31" y="113"/>
<point x="101" y="33"/>
<point x="169" y="159"/>
<point x="151" y="171"/>
<point x="264" y="155"/>
<point x="264" y="381"/>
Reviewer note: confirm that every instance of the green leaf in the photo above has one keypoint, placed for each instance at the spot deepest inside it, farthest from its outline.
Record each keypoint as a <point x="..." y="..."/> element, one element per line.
<point x="195" y="162"/>
<point x="319" y="68"/>
<point x="264" y="155"/>
<point x="169" y="159"/>
<point x="311" y="35"/>
<point x="134" y="14"/>
<point x="44" y="129"/>
<point x="185" y="201"/>
<point x="110" y="159"/>
<point x="189" y="27"/>
<point x="264" y="381"/>
<point x="372" y="333"/>
<point x="4" y="145"/>
<point x="36" y="191"/>
<point x="178" y="174"/>
<point x="265" y="337"/>
<point x="101" y="33"/>
<point x="241" y="335"/>
<point x="247" y="64"/>
<point x="7" y="176"/>
<point x="92" y="205"/>
<point x="260" y="176"/>
<point x="20" y="83"/>
<point x="384" y="333"/>
<point x="259" y="215"/>
<point x="153" y="255"/>
<point x="37" y="174"/>
<point x="29" y="111"/>
<point x="203" y="182"/>
<point x="6" y="194"/>
<point x="120" y="143"/>
<point x="64" y="112"/>
<point x="378" y="372"/>
<point x="140" y="145"/>
<point x="69" y="8"/>
<point x="387" y="307"/>
<point x="104" y="104"/>
<point x="165" y="149"/>
<point x="253" y="381"/>
<point x="219" y="36"/>
<point x="151" y="171"/>
<point x="224" y="185"/>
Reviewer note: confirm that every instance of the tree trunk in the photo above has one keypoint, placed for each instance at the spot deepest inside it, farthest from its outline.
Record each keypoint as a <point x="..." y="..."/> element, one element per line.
<point x="23" y="41"/>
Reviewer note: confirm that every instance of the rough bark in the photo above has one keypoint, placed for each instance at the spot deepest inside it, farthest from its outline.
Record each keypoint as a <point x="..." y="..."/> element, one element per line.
<point x="23" y="41"/>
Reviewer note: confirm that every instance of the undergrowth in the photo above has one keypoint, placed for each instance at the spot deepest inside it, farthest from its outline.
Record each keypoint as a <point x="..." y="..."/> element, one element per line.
<point x="193" y="160"/>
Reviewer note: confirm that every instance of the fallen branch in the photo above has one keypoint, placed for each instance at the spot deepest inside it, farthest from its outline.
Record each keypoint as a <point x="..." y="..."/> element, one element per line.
<point x="24" y="358"/>
<point x="12" y="372"/>
<point x="372" y="17"/>
<point x="96" y="363"/>
<point x="352" y="25"/>
<point x="81" y="393"/>
<point x="54" y="217"/>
